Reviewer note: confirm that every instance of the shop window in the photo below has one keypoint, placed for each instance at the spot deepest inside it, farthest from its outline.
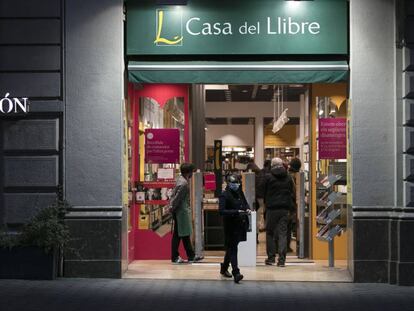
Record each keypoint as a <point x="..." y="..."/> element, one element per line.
<point x="331" y="169"/>
<point x="158" y="171"/>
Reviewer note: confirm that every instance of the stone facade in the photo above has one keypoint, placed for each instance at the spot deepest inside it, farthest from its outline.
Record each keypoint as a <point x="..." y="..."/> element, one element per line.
<point x="68" y="58"/>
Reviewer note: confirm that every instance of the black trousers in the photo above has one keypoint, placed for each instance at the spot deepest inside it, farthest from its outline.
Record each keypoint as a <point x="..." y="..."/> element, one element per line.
<point x="276" y="233"/>
<point x="175" y="243"/>
<point x="231" y="257"/>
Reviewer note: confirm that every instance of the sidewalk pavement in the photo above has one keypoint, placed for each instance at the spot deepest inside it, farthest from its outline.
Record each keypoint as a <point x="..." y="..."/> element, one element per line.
<point x="159" y="295"/>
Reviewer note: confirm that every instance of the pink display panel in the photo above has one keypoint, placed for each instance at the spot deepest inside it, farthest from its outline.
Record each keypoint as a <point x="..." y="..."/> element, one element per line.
<point x="332" y="138"/>
<point x="209" y="181"/>
<point x="162" y="146"/>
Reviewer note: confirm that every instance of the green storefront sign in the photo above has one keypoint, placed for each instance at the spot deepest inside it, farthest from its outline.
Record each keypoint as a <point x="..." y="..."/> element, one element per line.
<point x="272" y="27"/>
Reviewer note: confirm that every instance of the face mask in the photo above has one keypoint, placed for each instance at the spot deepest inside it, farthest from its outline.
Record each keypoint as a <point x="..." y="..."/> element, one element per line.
<point x="234" y="186"/>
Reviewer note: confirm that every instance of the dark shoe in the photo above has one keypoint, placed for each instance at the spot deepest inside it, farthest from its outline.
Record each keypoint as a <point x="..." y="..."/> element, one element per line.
<point x="289" y="250"/>
<point x="195" y="259"/>
<point x="270" y="262"/>
<point x="224" y="273"/>
<point x="281" y="264"/>
<point x="238" y="277"/>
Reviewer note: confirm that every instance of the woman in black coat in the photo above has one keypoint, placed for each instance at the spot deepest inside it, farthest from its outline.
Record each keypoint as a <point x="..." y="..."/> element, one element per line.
<point x="234" y="209"/>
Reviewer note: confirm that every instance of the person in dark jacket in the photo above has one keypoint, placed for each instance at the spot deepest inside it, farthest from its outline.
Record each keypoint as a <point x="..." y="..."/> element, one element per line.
<point x="261" y="179"/>
<point x="294" y="167"/>
<point x="261" y="215"/>
<point x="234" y="209"/>
<point x="252" y="167"/>
<point x="279" y="199"/>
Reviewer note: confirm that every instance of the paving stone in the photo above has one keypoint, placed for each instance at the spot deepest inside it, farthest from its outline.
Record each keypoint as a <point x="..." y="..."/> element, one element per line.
<point x="160" y="295"/>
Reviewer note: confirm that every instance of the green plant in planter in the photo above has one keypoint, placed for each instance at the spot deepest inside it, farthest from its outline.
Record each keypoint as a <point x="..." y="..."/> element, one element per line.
<point x="46" y="230"/>
<point x="42" y="241"/>
<point x="7" y="240"/>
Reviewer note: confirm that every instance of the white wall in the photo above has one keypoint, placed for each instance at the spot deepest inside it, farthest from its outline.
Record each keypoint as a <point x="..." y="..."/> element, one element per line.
<point x="231" y="135"/>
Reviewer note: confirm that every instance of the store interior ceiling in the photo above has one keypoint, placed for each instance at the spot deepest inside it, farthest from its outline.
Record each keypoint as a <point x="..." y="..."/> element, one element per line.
<point x="244" y="121"/>
<point x="253" y="92"/>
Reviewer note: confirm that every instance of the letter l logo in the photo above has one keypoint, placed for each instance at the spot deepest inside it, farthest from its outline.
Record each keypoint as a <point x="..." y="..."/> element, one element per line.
<point x="160" y="25"/>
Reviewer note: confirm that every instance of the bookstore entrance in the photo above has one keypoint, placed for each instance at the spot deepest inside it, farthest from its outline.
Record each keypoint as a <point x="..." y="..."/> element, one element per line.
<point x="228" y="94"/>
<point x="246" y="120"/>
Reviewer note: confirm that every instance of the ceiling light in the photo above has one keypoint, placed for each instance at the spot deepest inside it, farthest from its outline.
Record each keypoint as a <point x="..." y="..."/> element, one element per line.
<point x="244" y="91"/>
<point x="216" y="87"/>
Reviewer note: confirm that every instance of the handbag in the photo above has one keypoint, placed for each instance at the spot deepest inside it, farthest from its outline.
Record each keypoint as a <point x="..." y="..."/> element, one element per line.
<point x="246" y="222"/>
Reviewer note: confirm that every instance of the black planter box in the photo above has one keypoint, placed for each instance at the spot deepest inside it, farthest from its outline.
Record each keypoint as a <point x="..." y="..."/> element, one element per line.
<point x="30" y="263"/>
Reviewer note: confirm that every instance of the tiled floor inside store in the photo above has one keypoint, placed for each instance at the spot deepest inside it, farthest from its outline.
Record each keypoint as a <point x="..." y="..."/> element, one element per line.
<point x="300" y="270"/>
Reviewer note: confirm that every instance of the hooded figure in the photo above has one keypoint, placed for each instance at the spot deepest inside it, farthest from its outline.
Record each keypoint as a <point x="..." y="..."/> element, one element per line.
<point x="279" y="198"/>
